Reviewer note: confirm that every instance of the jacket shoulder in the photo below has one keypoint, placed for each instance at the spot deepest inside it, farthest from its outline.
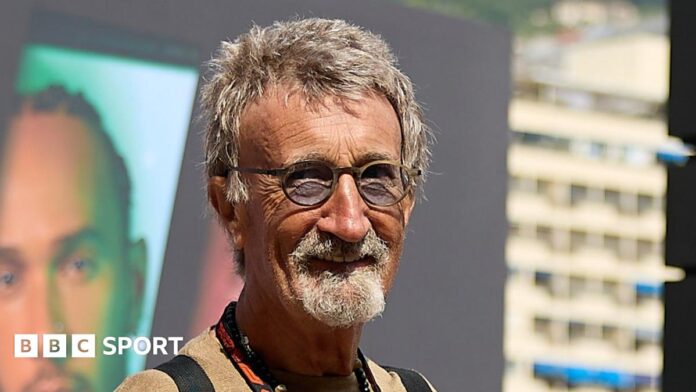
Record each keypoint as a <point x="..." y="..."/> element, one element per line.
<point x="389" y="380"/>
<point x="149" y="380"/>
<point x="208" y="353"/>
<point x="154" y="380"/>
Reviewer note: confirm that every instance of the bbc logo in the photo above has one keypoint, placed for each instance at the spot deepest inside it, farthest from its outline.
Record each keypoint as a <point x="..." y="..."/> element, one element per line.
<point x="85" y="345"/>
<point x="54" y="346"/>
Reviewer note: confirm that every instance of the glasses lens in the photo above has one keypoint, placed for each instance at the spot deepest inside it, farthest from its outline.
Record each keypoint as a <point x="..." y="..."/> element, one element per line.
<point x="308" y="183"/>
<point x="383" y="184"/>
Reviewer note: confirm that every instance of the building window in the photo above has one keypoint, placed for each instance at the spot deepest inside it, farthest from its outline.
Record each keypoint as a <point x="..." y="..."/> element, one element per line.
<point x="610" y="288"/>
<point x="542" y="327"/>
<point x="578" y="240"/>
<point x="609" y="333"/>
<point x="646" y="203"/>
<point x="611" y="243"/>
<point x="543" y="234"/>
<point x="646" y="248"/>
<point x="613" y="198"/>
<point x="577" y="330"/>
<point x="576" y="286"/>
<point x="578" y="194"/>
<point x="544" y="280"/>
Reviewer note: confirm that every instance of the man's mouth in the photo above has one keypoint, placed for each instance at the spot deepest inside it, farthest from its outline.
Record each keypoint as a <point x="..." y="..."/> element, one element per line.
<point x="339" y="263"/>
<point x="341" y="258"/>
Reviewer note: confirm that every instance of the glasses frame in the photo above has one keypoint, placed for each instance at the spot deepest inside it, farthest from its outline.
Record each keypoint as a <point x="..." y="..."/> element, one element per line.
<point x="355" y="172"/>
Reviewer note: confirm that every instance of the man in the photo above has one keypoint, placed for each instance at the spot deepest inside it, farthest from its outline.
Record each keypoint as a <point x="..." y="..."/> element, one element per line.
<point x="67" y="265"/>
<point x="315" y="146"/>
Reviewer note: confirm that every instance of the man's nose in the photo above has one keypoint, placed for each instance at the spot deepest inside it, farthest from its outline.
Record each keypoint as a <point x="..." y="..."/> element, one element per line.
<point x="42" y="315"/>
<point x="41" y="308"/>
<point x="345" y="213"/>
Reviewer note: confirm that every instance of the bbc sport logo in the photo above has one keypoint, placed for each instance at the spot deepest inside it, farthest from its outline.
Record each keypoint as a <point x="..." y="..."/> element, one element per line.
<point x="85" y="345"/>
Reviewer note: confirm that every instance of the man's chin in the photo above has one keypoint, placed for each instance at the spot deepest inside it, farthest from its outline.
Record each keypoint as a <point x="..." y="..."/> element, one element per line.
<point x="341" y="300"/>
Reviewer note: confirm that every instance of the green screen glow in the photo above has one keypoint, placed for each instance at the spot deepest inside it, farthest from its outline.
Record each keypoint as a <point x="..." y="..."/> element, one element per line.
<point x="145" y="107"/>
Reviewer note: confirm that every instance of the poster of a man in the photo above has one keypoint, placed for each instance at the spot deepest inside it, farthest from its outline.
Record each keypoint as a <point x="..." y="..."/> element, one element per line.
<point x="67" y="264"/>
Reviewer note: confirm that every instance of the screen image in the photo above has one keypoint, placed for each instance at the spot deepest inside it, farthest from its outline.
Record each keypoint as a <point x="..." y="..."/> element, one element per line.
<point x="88" y="176"/>
<point x="219" y="283"/>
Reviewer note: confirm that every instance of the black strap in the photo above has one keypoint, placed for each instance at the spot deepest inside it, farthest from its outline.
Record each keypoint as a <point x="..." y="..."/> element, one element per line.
<point x="413" y="381"/>
<point x="187" y="374"/>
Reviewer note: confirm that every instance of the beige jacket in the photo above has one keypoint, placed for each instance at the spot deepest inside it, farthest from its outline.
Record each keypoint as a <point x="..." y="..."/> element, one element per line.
<point x="208" y="352"/>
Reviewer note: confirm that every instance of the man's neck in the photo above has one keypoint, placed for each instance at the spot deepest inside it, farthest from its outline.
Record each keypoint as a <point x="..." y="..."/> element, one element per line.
<point x="288" y="339"/>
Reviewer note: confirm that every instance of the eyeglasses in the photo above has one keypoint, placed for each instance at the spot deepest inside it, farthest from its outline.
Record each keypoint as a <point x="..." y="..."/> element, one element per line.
<point x="310" y="183"/>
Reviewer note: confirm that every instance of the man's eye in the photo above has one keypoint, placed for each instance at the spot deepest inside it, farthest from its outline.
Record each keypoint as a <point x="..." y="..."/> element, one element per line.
<point x="7" y="279"/>
<point x="309" y="188"/>
<point x="9" y="282"/>
<point x="309" y="180"/>
<point x="382" y="171"/>
<point x="78" y="268"/>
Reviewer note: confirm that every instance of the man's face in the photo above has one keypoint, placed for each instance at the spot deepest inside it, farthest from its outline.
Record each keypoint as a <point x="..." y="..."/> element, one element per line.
<point x="285" y="243"/>
<point x="63" y="252"/>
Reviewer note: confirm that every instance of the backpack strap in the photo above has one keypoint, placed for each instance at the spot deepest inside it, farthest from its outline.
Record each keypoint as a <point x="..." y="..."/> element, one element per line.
<point x="411" y="379"/>
<point x="187" y="374"/>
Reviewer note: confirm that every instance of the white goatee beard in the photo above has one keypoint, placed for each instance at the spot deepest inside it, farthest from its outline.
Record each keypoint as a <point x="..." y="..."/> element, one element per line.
<point x="340" y="299"/>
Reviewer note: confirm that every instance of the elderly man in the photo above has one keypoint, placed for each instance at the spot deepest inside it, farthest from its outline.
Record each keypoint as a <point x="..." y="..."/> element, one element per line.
<point x="315" y="147"/>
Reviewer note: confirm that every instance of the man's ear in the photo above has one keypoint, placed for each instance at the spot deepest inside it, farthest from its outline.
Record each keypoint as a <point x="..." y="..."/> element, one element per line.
<point x="228" y="213"/>
<point x="407" y="205"/>
<point x="137" y="257"/>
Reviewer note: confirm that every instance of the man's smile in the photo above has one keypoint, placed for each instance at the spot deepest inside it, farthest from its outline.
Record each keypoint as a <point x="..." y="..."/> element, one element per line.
<point x="339" y="264"/>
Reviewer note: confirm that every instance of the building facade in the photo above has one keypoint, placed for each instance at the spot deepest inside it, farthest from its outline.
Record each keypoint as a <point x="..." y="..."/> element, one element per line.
<point x="586" y="216"/>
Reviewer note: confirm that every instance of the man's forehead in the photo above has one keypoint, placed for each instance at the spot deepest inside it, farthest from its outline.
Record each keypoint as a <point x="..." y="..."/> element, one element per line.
<point x="54" y="178"/>
<point x="44" y="131"/>
<point x="289" y="125"/>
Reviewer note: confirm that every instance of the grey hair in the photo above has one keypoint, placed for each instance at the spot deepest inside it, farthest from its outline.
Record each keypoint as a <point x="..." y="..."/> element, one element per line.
<point x="318" y="58"/>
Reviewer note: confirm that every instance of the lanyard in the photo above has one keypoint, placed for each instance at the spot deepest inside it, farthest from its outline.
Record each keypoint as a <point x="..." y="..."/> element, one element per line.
<point x="230" y="340"/>
<point x="235" y="354"/>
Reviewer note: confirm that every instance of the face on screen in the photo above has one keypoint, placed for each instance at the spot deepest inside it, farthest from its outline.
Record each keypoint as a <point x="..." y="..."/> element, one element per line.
<point x="66" y="263"/>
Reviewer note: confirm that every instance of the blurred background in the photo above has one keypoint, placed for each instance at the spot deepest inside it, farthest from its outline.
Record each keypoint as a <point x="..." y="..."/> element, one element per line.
<point x="586" y="192"/>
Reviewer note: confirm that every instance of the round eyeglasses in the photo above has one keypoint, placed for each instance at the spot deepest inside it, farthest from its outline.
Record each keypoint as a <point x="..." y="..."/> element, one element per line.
<point x="310" y="183"/>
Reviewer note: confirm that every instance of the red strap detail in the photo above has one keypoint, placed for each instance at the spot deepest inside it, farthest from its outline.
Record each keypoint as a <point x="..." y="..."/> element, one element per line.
<point x="237" y="357"/>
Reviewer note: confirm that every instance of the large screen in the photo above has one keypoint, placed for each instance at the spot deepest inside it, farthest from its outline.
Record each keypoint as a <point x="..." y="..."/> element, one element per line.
<point x="90" y="162"/>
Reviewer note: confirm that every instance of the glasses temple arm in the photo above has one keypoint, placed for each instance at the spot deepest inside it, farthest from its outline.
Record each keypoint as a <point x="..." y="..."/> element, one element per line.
<point x="272" y="172"/>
